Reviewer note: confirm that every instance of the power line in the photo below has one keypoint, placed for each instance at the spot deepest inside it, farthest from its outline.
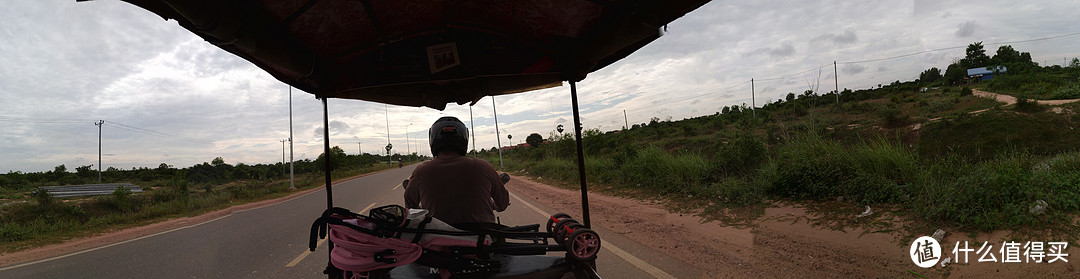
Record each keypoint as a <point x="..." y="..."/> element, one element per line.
<point x="959" y="47"/>
<point x="15" y="119"/>
<point x="159" y="134"/>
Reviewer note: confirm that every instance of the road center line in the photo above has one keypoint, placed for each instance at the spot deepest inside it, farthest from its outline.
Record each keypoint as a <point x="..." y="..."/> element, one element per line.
<point x="640" y="264"/>
<point x="307" y="252"/>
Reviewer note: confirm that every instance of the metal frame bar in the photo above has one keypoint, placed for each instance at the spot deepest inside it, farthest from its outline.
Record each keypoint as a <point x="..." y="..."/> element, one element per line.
<point x="580" y="156"/>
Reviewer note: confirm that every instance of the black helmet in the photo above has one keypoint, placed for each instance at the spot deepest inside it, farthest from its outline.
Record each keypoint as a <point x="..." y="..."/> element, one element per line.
<point x="448" y="133"/>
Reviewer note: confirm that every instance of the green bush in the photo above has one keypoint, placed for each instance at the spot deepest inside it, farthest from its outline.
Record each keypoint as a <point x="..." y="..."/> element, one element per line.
<point x="965" y="91"/>
<point x="121" y="198"/>
<point x="1066" y="92"/>
<point x="811" y="167"/>
<point x="44" y="198"/>
<point x="738" y="192"/>
<point x="892" y="117"/>
<point x="665" y="173"/>
<point x="742" y="154"/>
<point x="1028" y="105"/>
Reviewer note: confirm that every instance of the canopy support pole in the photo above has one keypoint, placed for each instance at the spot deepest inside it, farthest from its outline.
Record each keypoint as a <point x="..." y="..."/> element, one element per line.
<point x="326" y="166"/>
<point x="326" y="155"/>
<point x="580" y="156"/>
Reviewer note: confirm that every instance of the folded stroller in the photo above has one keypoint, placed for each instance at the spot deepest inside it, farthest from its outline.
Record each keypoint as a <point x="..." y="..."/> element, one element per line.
<point x="392" y="242"/>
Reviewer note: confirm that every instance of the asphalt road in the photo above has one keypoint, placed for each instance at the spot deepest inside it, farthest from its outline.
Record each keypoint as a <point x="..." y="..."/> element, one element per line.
<point x="271" y="242"/>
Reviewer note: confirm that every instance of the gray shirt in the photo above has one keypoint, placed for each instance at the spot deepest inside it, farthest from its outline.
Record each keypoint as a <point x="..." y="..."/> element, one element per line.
<point x="457" y="189"/>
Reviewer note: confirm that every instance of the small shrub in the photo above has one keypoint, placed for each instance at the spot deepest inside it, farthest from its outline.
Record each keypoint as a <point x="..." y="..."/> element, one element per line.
<point x="965" y="91"/>
<point x="11" y="232"/>
<point x="739" y="193"/>
<point x="1028" y="105"/>
<point x="121" y="198"/>
<point x="44" y="198"/>
<point x="740" y="155"/>
<point x="657" y="170"/>
<point x="920" y="103"/>
<point x="1066" y="92"/>
<point x="892" y="117"/>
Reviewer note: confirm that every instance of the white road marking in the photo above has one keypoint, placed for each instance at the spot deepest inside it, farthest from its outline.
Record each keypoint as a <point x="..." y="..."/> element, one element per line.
<point x="640" y="264"/>
<point x="307" y="252"/>
<point x="110" y="245"/>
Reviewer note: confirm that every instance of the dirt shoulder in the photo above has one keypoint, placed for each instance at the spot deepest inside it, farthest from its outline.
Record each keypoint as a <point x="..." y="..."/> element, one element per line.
<point x="782" y="244"/>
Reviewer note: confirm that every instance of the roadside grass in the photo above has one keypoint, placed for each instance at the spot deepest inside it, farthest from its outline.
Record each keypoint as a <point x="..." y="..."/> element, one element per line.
<point x="966" y="172"/>
<point x="47" y="220"/>
<point x="1039" y="86"/>
<point x="982" y="136"/>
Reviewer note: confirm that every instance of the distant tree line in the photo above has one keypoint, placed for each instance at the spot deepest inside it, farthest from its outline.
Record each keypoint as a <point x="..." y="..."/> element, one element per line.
<point x="215" y="171"/>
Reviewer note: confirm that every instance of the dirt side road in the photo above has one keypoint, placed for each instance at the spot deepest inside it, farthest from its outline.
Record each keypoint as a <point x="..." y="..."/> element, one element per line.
<point x="782" y="245"/>
<point x="1008" y="100"/>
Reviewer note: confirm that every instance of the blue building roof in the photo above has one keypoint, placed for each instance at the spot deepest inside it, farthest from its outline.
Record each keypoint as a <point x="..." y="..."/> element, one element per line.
<point x="983" y="71"/>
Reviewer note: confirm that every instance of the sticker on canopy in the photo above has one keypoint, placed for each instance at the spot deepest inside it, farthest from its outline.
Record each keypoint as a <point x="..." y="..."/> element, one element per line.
<point x="442" y="57"/>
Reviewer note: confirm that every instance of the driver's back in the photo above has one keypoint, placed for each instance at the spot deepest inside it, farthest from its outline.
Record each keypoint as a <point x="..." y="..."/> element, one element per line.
<point x="457" y="189"/>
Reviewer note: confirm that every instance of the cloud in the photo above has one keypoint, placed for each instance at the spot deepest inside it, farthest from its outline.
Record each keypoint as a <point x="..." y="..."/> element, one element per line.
<point x="338" y="127"/>
<point x="786" y="49"/>
<point x="966" y="29"/>
<point x="848" y="37"/>
<point x="852" y="69"/>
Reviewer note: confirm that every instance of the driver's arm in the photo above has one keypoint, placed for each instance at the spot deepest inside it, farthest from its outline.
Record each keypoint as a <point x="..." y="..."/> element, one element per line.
<point x="498" y="192"/>
<point x="412" y="193"/>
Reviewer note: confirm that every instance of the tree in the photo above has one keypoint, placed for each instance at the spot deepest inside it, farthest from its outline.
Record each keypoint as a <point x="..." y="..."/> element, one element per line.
<point x="726" y="110"/>
<point x="790" y="97"/>
<point x="534" y="139"/>
<point x="85" y="171"/>
<point x="955" y="73"/>
<point x="930" y="75"/>
<point x="337" y="157"/>
<point x="975" y="56"/>
<point x="1005" y="54"/>
<point x="59" y="172"/>
<point x="217" y="161"/>
<point x="1075" y="63"/>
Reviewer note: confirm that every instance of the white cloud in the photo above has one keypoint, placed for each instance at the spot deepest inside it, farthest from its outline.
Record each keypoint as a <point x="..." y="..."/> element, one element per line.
<point x="110" y="60"/>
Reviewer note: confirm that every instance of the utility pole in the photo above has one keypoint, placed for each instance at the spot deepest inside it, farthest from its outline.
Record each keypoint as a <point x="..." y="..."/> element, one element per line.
<point x="497" y="140"/>
<point x="359" y="148"/>
<point x="292" y="185"/>
<point x="283" y="155"/>
<point x="753" y="101"/>
<point x="625" y="122"/>
<point x="408" y="148"/>
<point x="386" y="111"/>
<point x="99" y="124"/>
<point x="836" y="81"/>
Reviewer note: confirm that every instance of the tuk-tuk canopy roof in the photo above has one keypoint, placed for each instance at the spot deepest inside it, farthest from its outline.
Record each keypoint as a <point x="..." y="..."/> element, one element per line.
<point x="425" y="52"/>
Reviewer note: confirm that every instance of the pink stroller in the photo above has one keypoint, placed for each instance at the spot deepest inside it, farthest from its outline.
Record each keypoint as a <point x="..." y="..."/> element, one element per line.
<point x="392" y="242"/>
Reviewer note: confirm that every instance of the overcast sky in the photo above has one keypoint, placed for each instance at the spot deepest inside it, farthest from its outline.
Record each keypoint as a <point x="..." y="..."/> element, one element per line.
<point x="169" y="97"/>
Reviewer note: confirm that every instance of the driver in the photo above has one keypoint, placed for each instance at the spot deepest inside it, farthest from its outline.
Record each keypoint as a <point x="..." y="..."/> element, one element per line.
<point x="454" y="188"/>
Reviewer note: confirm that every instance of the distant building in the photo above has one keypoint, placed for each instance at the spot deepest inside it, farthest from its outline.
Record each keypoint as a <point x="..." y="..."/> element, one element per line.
<point x="984" y="73"/>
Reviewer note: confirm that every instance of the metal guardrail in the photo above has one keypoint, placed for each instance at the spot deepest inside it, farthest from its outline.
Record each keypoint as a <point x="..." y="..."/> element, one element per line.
<point x="88" y="189"/>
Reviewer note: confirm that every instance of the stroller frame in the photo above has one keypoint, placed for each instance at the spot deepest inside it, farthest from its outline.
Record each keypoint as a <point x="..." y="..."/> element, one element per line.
<point x="563" y="234"/>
